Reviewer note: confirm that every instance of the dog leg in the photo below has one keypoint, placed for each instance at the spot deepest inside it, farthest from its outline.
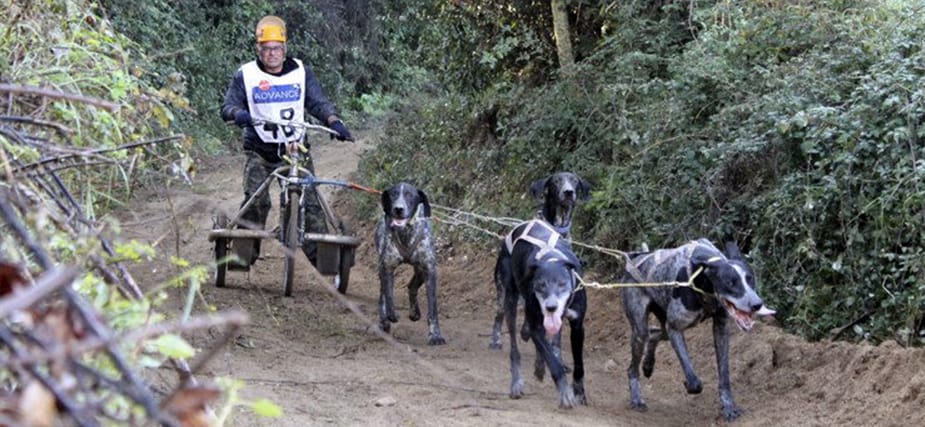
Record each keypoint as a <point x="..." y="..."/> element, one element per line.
<point x="648" y="363"/>
<point x="433" y="324"/>
<point x="386" y="306"/>
<point x="691" y="382"/>
<point x="539" y="365"/>
<point x="577" y="330"/>
<point x="636" y="314"/>
<point x="517" y="382"/>
<point x="416" y="281"/>
<point x="721" y="347"/>
<point x="567" y="399"/>
<point x="501" y="286"/>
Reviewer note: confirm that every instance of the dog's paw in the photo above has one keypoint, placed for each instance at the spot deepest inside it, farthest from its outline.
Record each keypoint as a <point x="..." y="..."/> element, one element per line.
<point x="732" y="412"/>
<point x="539" y="369"/>
<point x="567" y="399"/>
<point x="694" y="386"/>
<point x="639" y="405"/>
<point x="579" y="388"/>
<point x="435" y="340"/>
<point x="385" y="326"/>
<point x="648" y="367"/>
<point x="392" y="317"/>
<point x="494" y="345"/>
<point x="648" y="364"/>
<point x="517" y="389"/>
<point x="415" y="315"/>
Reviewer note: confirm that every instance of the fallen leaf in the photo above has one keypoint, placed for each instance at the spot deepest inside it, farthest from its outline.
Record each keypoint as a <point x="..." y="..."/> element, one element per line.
<point x="188" y="405"/>
<point x="37" y="406"/>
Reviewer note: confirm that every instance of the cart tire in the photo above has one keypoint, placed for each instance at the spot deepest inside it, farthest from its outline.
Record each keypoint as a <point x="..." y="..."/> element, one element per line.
<point x="346" y="260"/>
<point x="221" y="251"/>
<point x="291" y="241"/>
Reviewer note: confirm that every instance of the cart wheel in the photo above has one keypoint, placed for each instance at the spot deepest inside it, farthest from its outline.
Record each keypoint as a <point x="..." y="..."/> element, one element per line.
<point x="221" y="251"/>
<point x="343" y="271"/>
<point x="346" y="260"/>
<point x="291" y="241"/>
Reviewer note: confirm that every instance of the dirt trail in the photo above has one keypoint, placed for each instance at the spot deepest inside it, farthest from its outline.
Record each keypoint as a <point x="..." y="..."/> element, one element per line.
<point x="325" y="366"/>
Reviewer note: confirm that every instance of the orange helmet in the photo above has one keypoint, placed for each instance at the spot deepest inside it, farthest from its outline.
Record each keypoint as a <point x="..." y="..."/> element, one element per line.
<point x="271" y="29"/>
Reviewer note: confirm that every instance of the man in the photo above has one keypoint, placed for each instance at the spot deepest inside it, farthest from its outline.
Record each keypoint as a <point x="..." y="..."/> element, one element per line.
<point x="275" y="87"/>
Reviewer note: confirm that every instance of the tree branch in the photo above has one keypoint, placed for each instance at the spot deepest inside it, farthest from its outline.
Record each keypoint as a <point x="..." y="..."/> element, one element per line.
<point x="61" y="129"/>
<point x="51" y="93"/>
<point x="98" y="151"/>
<point x="47" y="283"/>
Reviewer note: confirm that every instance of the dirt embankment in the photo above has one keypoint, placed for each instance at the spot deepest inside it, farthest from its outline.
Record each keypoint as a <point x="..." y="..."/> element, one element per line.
<point x="324" y="364"/>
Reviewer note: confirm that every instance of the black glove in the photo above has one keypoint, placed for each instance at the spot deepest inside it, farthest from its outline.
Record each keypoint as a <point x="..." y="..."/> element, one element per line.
<point x="342" y="133"/>
<point x="242" y="118"/>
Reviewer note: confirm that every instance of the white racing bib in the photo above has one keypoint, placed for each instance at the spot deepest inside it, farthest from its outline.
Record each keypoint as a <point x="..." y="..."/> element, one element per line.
<point x="275" y="98"/>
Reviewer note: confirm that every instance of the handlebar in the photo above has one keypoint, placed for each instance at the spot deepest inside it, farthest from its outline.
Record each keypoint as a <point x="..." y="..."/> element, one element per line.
<point x="302" y="125"/>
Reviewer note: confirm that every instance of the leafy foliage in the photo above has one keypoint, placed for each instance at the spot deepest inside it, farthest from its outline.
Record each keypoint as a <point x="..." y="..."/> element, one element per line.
<point x="794" y="128"/>
<point x="78" y="133"/>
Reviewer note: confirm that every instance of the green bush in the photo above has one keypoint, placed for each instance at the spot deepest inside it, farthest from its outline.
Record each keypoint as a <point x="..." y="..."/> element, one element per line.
<point x="792" y="128"/>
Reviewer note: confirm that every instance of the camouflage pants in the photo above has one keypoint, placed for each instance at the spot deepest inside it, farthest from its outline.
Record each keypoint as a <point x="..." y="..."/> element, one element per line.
<point x="256" y="170"/>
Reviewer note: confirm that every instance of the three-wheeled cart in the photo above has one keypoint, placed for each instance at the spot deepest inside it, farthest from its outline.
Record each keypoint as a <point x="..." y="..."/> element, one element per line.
<point x="335" y="252"/>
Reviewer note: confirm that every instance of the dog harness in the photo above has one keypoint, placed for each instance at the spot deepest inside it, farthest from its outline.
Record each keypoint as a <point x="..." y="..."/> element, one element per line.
<point x="660" y="257"/>
<point x="547" y="246"/>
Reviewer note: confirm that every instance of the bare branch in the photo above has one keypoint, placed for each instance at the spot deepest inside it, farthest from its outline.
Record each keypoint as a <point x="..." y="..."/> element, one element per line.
<point x="62" y="130"/>
<point x="51" y="93"/>
<point x="99" y="151"/>
<point x="47" y="283"/>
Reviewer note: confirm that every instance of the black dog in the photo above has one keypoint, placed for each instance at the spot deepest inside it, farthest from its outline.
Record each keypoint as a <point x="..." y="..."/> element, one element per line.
<point x="537" y="263"/>
<point x="404" y="236"/>
<point x="725" y="287"/>
<point x="558" y="194"/>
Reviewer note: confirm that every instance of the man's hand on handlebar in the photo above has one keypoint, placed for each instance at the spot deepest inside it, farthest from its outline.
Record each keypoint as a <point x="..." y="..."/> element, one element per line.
<point x="242" y="118"/>
<point x="342" y="133"/>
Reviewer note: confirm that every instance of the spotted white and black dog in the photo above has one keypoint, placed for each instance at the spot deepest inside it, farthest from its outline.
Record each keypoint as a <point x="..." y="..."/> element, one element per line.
<point x="724" y="288"/>
<point x="404" y="236"/>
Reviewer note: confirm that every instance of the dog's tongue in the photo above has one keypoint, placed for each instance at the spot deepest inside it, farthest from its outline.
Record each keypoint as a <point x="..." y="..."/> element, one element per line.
<point x="745" y="320"/>
<point x="552" y="322"/>
<point x="399" y="222"/>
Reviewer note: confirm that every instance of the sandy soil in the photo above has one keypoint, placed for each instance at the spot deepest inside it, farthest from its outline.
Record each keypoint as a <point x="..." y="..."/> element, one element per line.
<point x="325" y="365"/>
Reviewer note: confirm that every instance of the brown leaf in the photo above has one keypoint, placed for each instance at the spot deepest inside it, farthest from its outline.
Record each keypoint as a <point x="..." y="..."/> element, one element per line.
<point x="10" y="278"/>
<point x="37" y="406"/>
<point x="188" y="405"/>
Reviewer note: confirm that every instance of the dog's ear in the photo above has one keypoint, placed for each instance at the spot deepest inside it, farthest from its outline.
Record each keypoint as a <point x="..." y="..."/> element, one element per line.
<point x="424" y="202"/>
<point x="584" y="190"/>
<point x="538" y="188"/>
<point x="733" y="252"/>
<point x="573" y="264"/>
<point x="386" y="201"/>
<point x="702" y="257"/>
